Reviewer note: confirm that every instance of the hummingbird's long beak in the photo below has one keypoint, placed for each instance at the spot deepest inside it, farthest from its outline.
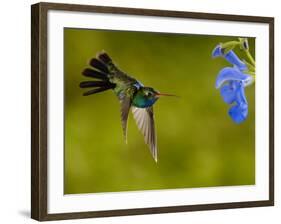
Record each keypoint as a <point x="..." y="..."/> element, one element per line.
<point x="165" y="94"/>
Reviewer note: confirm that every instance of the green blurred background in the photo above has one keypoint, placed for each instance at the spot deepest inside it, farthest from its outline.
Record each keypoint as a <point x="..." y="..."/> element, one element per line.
<point x="199" y="145"/>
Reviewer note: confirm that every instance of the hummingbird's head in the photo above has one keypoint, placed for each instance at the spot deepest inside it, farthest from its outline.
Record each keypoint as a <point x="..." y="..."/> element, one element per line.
<point x="147" y="96"/>
<point x="152" y="93"/>
<point x="149" y="93"/>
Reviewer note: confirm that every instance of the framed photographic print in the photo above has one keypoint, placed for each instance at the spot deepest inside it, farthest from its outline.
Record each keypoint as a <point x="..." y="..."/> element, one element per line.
<point x="138" y="111"/>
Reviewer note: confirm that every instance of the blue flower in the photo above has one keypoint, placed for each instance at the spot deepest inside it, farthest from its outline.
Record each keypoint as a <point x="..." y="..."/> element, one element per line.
<point x="230" y="56"/>
<point x="232" y="81"/>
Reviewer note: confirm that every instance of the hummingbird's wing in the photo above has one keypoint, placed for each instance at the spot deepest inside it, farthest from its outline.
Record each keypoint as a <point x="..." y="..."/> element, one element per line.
<point x="125" y="103"/>
<point x="145" y="121"/>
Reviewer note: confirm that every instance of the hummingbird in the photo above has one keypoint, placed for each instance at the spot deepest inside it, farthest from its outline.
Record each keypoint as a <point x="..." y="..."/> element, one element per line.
<point x="132" y="94"/>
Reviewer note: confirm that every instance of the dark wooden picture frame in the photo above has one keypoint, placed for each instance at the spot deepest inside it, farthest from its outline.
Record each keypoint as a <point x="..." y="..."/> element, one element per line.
<point x="39" y="105"/>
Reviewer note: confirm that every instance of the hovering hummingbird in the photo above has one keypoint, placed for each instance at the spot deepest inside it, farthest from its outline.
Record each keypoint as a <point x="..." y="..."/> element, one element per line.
<point x="130" y="92"/>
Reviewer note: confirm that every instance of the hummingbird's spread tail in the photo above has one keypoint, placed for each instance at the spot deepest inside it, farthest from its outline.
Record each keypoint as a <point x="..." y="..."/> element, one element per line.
<point x="100" y="72"/>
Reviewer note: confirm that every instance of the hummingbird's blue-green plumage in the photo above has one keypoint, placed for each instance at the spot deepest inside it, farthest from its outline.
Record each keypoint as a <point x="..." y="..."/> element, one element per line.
<point x="145" y="97"/>
<point x="130" y="92"/>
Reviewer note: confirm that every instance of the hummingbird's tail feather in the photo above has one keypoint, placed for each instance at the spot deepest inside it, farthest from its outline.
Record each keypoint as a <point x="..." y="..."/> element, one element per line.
<point x="99" y="86"/>
<point x="87" y="84"/>
<point x="93" y="91"/>
<point x="99" y="65"/>
<point x="102" y="64"/>
<point x="99" y="72"/>
<point x="104" y="57"/>
<point x="102" y="70"/>
<point x="94" y="74"/>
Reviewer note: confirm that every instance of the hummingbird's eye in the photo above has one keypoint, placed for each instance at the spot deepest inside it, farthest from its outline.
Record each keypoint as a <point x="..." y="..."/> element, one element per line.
<point x="148" y="94"/>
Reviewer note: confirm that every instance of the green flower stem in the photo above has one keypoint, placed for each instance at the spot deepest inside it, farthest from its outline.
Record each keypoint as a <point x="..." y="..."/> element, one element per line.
<point x="228" y="46"/>
<point x="250" y="66"/>
<point x="251" y="59"/>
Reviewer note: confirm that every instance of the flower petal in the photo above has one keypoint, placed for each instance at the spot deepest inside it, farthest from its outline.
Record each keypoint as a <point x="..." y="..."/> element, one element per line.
<point x="228" y="92"/>
<point x="217" y="51"/>
<point x="238" y="113"/>
<point x="232" y="58"/>
<point x="250" y="80"/>
<point x="240" y="96"/>
<point x="230" y="74"/>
